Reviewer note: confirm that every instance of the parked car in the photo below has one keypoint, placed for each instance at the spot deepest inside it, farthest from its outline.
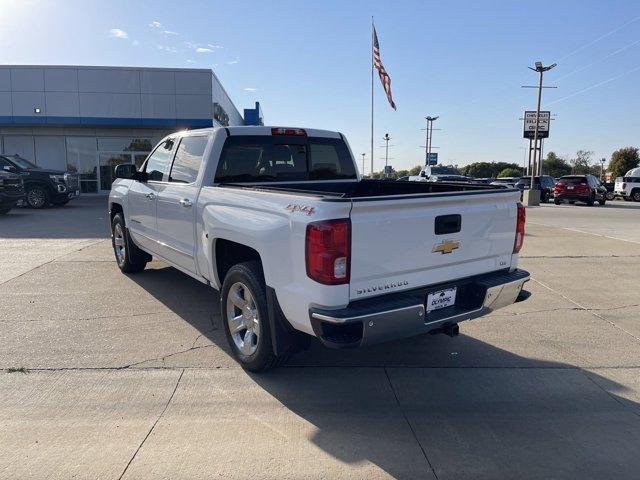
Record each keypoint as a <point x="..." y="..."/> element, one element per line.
<point x="581" y="188"/>
<point x="628" y="187"/>
<point x="610" y="186"/>
<point x="544" y="183"/>
<point x="509" y="182"/>
<point x="11" y="191"/>
<point x="449" y="178"/>
<point x="42" y="186"/>
<point x="280" y="222"/>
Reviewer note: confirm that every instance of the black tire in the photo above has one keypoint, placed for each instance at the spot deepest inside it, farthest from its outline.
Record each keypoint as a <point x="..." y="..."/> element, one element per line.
<point x="557" y="201"/>
<point x="602" y="201"/>
<point x="4" y="210"/>
<point x="129" y="257"/>
<point x="635" y="195"/>
<point x="590" y="200"/>
<point x="253" y="351"/>
<point x="610" y="196"/>
<point x="37" y="196"/>
<point x="545" y="197"/>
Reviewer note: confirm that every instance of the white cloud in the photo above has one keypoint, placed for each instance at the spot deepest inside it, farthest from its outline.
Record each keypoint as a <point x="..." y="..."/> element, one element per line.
<point x="215" y="47"/>
<point x="155" y="24"/>
<point x="118" y="33"/>
<point x="169" y="32"/>
<point x="250" y="89"/>
<point x="167" y="49"/>
<point x="190" y="61"/>
<point x="203" y="50"/>
<point x="233" y="62"/>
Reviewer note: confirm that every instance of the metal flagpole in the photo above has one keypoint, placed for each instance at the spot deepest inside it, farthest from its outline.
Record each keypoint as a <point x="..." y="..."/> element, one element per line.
<point x="372" y="68"/>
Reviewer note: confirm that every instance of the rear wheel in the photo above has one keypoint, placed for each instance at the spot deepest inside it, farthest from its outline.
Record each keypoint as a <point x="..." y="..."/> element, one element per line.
<point x="37" y="196"/>
<point x="636" y="195"/>
<point x="130" y="259"/>
<point x="610" y="196"/>
<point x="557" y="201"/>
<point x="245" y="314"/>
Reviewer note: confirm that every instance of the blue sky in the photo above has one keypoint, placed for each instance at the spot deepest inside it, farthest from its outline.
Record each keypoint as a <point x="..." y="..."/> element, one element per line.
<point x="308" y="63"/>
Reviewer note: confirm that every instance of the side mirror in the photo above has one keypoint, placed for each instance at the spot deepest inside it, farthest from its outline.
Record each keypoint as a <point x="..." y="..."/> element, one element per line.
<point x="126" y="170"/>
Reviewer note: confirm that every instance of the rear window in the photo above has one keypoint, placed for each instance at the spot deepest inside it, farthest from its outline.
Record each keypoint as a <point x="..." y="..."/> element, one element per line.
<point x="573" y="180"/>
<point x="283" y="159"/>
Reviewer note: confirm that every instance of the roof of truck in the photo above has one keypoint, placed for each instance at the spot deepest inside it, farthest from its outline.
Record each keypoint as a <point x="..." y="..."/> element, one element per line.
<point x="267" y="130"/>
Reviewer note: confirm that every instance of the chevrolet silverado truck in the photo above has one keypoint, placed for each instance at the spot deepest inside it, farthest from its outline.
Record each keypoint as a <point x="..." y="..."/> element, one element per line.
<point x="628" y="187"/>
<point x="279" y="221"/>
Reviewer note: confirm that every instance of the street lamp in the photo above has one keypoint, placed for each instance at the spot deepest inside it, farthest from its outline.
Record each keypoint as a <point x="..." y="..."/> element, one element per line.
<point x="540" y="69"/>
<point x="363" y="154"/>
<point x="430" y="121"/>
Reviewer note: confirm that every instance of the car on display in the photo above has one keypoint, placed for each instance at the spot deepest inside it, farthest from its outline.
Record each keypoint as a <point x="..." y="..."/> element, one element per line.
<point x="509" y="182"/>
<point x="579" y="188"/>
<point x="11" y="191"/>
<point x="628" y="187"/>
<point x="42" y="186"/>
<point x="544" y="183"/>
<point x="279" y="221"/>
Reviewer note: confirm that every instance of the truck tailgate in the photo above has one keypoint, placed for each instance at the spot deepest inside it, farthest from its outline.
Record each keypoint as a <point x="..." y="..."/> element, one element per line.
<point x="395" y="246"/>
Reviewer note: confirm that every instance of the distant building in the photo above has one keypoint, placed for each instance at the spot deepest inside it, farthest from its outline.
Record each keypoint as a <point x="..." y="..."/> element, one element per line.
<point x="90" y="119"/>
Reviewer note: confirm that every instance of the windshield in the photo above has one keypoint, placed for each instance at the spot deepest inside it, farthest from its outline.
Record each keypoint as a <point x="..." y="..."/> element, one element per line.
<point x="282" y="158"/>
<point x="21" y="162"/>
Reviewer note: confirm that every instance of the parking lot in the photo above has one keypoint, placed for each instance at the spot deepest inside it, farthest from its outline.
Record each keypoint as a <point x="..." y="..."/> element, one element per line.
<point x="113" y="376"/>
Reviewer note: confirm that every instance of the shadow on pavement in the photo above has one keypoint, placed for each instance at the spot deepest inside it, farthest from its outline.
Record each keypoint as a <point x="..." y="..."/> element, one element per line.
<point x="461" y="406"/>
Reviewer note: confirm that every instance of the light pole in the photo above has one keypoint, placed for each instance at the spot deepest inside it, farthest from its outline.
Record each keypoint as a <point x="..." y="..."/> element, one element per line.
<point x="536" y="199"/>
<point x="386" y="139"/>
<point x="430" y="121"/>
<point x="363" y="154"/>
<point x="602" y="160"/>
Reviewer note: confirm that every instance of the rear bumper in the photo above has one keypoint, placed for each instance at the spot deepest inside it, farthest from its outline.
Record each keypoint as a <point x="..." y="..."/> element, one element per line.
<point x="395" y="316"/>
<point x="570" y="196"/>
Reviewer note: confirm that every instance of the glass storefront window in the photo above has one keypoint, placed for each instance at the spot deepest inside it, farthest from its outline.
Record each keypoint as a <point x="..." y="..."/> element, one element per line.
<point x="124" y="144"/>
<point x="81" y="158"/>
<point x="108" y="163"/>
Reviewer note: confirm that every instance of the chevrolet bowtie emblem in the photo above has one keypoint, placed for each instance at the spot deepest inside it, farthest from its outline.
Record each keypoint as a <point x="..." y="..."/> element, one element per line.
<point x="447" y="246"/>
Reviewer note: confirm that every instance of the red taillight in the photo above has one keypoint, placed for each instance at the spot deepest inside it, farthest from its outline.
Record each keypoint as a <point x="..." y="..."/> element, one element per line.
<point x="517" y="244"/>
<point x="328" y="251"/>
<point x="289" y="131"/>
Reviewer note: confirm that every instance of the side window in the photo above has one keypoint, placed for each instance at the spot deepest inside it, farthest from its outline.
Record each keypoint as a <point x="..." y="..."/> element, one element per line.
<point x="188" y="159"/>
<point x="159" y="160"/>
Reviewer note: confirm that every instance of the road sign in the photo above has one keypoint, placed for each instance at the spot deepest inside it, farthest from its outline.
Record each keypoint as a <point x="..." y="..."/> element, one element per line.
<point x="432" y="158"/>
<point x="388" y="169"/>
<point x="530" y="124"/>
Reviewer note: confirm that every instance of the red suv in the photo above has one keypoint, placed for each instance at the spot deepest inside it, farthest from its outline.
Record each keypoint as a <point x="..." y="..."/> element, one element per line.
<point x="579" y="188"/>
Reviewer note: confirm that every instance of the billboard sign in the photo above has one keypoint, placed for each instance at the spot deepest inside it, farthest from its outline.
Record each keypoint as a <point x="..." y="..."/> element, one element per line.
<point x="530" y="124"/>
<point x="388" y="169"/>
<point x="432" y="158"/>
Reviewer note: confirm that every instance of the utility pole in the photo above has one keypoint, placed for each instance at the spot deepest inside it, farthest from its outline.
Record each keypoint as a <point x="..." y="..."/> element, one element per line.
<point x="386" y="139"/>
<point x="363" y="154"/>
<point x="534" y="198"/>
<point x="602" y="160"/>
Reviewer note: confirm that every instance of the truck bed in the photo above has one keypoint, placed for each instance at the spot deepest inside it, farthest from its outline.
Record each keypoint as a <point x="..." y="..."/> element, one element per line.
<point x="370" y="188"/>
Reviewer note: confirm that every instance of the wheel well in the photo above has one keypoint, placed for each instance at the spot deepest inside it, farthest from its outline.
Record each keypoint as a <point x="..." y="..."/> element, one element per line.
<point x="115" y="208"/>
<point x="228" y="254"/>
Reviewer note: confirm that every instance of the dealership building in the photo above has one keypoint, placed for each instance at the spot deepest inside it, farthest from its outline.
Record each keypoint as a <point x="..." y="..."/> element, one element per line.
<point x="90" y="119"/>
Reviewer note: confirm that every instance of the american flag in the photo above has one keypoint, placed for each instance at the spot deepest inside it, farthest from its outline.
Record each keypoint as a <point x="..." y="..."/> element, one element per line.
<point x="384" y="76"/>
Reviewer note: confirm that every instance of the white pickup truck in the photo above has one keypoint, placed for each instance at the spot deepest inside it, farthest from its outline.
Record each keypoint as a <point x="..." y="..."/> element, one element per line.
<point x="279" y="221"/>
<point x="628" y="187"/>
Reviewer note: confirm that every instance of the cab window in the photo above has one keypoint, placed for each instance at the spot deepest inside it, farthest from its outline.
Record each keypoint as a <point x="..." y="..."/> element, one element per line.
<point x="159" y="160"/>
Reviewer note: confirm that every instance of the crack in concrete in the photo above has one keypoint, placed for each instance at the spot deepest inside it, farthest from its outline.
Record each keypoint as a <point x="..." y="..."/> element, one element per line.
<point x="612" y="396"/>
<point x="576" y="309"/>
<point x="153" y="426"/>
<point x="591" y="311"/>
<point x="406" y="419"/>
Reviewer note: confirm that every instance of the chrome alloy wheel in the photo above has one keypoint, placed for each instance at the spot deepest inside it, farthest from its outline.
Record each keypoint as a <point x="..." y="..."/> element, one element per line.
<point x="243" y="318"/>
<point x="119" y="245"/>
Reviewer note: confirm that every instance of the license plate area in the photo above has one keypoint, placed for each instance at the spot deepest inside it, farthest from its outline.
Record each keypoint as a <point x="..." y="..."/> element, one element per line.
<point x="441" y="299"/>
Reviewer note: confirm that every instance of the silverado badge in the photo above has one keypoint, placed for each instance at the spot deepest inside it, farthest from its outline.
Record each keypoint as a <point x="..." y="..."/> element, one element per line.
<point x="447" y="246"/>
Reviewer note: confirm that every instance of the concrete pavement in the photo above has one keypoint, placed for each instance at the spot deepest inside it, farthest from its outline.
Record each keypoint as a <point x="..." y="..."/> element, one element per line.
<point x="130" y="376"/>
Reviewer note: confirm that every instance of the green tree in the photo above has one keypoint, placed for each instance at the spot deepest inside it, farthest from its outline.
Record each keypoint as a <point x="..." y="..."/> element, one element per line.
<point x="415" y="170"/>
<point x="510" y="172"/>
<point x="487" y="169"/>
<point x="623" y="160"/>
<point x="581" y="163"/>
<point x="555" y="166"/>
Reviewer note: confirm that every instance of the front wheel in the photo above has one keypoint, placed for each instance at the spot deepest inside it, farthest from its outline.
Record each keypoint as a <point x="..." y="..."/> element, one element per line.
<point x="636" y="196"/>
<point x="557" y="201"/>
<point x="37" y="196"/>
<point x="130" y="259"/>
<point x="243" y="304"/>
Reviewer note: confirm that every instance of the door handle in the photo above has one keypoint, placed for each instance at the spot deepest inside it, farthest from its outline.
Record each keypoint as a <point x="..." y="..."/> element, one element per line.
<point x="150" y="196"/>
<point x="185" y="202"/>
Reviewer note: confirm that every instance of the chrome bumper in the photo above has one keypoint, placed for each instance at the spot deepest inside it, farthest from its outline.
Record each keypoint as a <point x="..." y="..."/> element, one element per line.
<point x="342" y="330"/>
